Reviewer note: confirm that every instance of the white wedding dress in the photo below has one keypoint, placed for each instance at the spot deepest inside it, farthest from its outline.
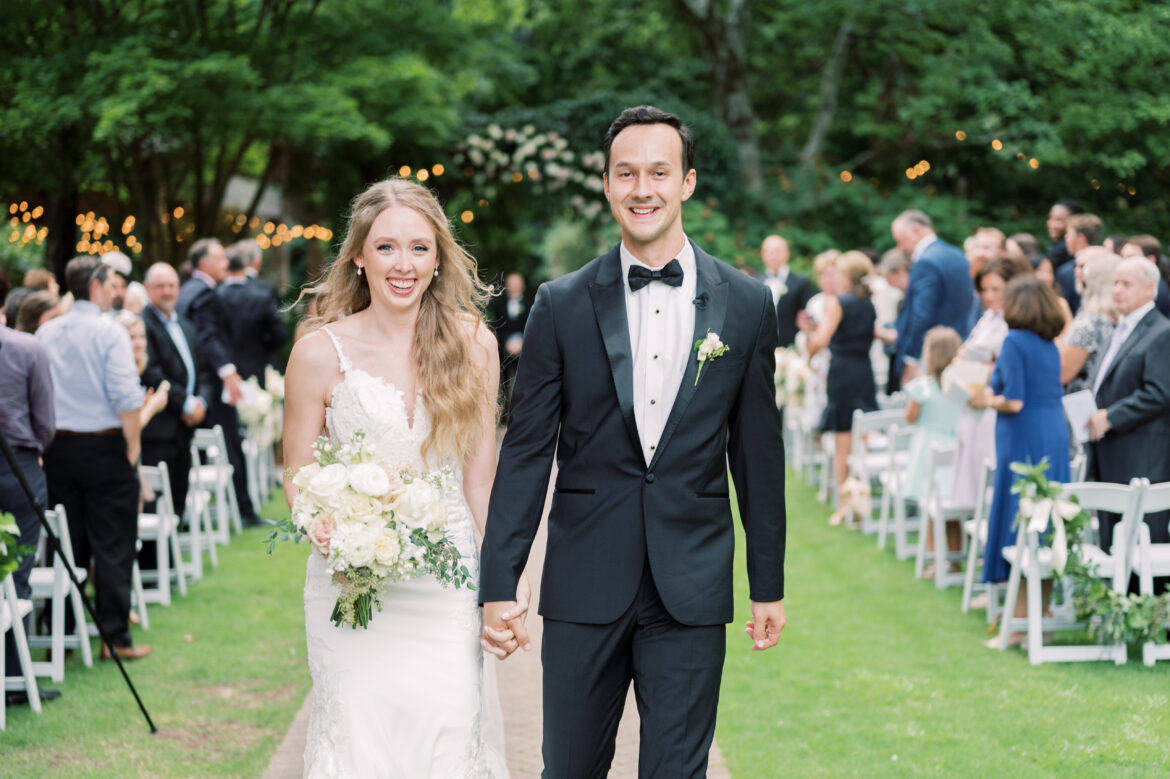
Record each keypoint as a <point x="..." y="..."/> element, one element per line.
<point x="410" y="696"/>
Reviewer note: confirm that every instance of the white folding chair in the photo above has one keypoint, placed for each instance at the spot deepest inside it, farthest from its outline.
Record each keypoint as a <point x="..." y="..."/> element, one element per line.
<point x="1147" y="559"/>
<point x="217" y="472"/>
<point x="1031" y="561"/>
<point x="198" y="509"/>
<point x="937" y="510"/>
<point x="894" y="500"/>
<point x="975" y="530"/>
<point x="51" y="583"/>
<point x="137" y="592"/>
<point x="12" y="614"/>
<point x="162" y="528"/>
<point x="869" y="453"/>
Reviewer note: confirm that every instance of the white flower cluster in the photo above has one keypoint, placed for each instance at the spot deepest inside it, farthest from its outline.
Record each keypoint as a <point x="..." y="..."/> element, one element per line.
<point x="708" y="346"/>
<point x="359" y="513"/>
<point x="262" y="410"/>
<point x="502" y="156"/>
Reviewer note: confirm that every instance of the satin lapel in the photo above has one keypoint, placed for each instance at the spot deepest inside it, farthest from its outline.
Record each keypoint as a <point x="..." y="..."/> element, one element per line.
<point x="709" y="316"/>
<point x="609" y="304"/>
<point x="1139" y="330"/>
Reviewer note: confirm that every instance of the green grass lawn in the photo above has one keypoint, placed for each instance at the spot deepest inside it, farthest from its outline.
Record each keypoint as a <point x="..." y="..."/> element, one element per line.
<point x="227" y="675"/>
<point x="877" y="673"/>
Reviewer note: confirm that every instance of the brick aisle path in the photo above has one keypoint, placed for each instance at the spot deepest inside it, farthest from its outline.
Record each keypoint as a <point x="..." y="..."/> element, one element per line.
<point x="520" y="696"/>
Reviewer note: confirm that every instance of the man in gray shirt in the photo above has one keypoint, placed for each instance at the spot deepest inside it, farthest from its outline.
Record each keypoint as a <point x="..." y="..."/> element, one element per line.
<point x="91" y="465"/>
<point x="26" y="421"/>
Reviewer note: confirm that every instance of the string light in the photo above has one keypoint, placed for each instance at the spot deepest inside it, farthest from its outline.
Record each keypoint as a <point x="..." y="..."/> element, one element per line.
<point x="960" y="135"/>
<point x="467" y="217"/>
<point x="422" y="174"/>
<point x="1034" y="163"/>
<point x="438" y="169"/>
<point x="846" y="176"/>
<point x="178" y="212"/>
<point x="404" y="171"/>
<point x="997" y="144"/>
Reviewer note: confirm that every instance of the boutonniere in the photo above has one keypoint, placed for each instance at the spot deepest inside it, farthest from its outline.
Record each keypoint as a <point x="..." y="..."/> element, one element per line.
<point x="708" y="348"/>
<point x="782" y="290"/>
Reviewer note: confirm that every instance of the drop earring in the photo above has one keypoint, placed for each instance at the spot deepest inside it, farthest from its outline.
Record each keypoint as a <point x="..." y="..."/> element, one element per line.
<point x="359" y="270"/>
<point x="436" y="273"/>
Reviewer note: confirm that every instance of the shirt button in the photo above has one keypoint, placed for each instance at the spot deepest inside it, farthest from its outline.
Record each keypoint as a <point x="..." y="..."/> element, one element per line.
<point x="656" y="357"/>
<point x="658" y="311"/>
<point x="649" y="478"/>
<point x="652" y="446"/>
<point x="652" y="402"/>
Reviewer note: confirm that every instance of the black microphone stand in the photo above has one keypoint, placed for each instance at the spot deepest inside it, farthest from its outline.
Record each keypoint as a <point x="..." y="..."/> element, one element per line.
<point x="55" y="543"/>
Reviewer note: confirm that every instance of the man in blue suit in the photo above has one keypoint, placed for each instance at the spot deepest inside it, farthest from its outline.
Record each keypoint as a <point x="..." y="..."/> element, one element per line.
<point x="940" y="288"/>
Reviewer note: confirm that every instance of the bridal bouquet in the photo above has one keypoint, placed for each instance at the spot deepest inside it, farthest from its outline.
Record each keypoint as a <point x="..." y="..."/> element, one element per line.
<point x="373" y="523"/>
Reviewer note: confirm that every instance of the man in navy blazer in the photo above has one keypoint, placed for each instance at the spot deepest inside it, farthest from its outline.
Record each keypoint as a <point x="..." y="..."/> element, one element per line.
<point x="940" y="288"/>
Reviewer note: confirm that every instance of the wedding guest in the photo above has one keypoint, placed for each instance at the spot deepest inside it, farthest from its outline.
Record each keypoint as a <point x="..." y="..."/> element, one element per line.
<point x="123" y="266"/>
<point x="255" y="327"/>
<point x="136" y="298"/>
<point x="1026" y="395"/>
<point x="12" y="304"/>
<point x="847" y="329"/>
<point x="1058" y="215"/>
<point x="1082" y="231"/>
<point x="199" y="303"/>
<point x="509" y="317"/>
<point x="91" y="463"/>
<point x="895" y="268"/>
<point x="136" y="329"/>
<point x="940" y="291"/>
<point x="813" y="409"/>
<point x="1042" y="269"/>
<point x="4" y="287"/>
<point x="976" y="423"/>
<point x="886" y="299"/>
<point x="790" y="290"/>
<point x="173" y="357"/>
<point x="36" y="309"/>
<point x="42" y="279"/>
<point x="1150" y="248"/>
<point x="935" y="417"/>
<point x="27" y="422"/>
<point x="1092" y="327"/>
<point x="1020" y="246"/>
<point x="1129" y="433"/>
<point x="1113" y="243"/>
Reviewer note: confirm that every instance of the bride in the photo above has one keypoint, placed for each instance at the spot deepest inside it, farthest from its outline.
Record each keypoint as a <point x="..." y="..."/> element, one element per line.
<point x="402" y="353"/>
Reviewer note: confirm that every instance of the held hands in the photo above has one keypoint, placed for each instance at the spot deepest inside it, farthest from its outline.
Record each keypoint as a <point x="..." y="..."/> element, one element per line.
<point x="195" y="417"/>
<point x="765" y="625"/>
<point x="503" y="623"/>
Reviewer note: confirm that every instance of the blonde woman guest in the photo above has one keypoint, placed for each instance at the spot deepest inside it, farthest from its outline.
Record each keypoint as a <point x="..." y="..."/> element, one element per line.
<point x="402" y="353"/>
<point x="847" y="331"/>
<point x="818" y="363"/>
<point x="1092" y="327"/>
<point x="156" y="399"/>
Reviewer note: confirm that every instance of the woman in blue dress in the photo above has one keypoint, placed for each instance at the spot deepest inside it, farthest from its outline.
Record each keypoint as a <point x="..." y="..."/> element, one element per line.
<point x="1025" y="390"/>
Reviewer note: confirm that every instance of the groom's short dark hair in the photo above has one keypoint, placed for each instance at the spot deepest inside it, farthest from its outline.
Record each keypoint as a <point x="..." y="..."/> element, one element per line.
<point x="648" y="114"/>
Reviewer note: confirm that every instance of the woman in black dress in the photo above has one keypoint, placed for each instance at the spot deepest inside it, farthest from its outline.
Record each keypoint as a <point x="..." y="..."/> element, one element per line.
<point x="847" y="329"/>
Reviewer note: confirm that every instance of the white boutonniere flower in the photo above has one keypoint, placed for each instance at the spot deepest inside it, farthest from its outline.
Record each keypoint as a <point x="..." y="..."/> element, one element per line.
<point x="782" y="290"/>
<point x="708" y="348"/>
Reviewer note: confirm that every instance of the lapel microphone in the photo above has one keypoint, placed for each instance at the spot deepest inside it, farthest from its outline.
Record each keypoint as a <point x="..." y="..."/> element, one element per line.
<point x="701" y="301"/>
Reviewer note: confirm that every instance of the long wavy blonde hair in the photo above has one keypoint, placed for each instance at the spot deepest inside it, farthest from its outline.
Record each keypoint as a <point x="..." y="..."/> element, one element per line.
<point x="456" y="399"/>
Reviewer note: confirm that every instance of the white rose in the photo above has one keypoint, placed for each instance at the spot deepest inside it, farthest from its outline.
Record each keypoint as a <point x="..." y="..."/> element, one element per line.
<point x="413" y="507"/>
<point x="437" y="516"/>
<point x="387" y="548"/>
<point x="704" y="351"/>
<point x="302" y="477"/>
<point x="713" y="341"/>
<point x="359" y="546"/>
<point x="330" y="481"/>
<point x="369" y="479"/>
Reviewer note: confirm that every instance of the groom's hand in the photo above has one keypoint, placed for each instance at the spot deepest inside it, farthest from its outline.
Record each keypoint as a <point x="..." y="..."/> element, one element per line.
<point x="503" y="625"/>
<point x="765" y="625"/>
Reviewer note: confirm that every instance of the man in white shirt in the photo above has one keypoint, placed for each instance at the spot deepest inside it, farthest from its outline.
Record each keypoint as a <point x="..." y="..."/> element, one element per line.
<point x="790" y="291"/>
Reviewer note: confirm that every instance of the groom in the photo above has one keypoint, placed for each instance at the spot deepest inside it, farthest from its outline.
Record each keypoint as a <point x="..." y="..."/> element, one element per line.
<point x="637" y="581"/>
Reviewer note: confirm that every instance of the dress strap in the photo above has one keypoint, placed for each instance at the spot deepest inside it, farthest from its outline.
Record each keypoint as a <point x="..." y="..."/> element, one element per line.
<point x="342" y="360"/>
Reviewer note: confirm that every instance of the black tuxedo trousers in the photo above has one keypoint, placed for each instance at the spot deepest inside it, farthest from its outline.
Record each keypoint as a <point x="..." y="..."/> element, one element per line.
<point x="637" y="550"/>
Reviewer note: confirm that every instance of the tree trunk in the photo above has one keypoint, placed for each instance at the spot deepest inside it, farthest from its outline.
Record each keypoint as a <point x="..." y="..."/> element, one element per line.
<point x="830" y="84"/>
<point x="724" y="41"/>
<point x="60" y="213"/>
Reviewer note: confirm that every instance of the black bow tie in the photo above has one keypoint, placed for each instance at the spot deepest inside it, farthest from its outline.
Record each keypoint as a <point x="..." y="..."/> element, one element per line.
<point x="671" y="274"/>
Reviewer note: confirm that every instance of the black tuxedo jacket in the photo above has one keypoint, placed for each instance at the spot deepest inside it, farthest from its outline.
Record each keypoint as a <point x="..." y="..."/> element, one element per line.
<point x="255" y="329"/>
<point x="507" y="326"/>
<point x="163" y="362"/>
<point x="792" y="302"/>
<point x="612" y="512"/>
<point x="1136" y="392"/>
<point x="199" y="304"/>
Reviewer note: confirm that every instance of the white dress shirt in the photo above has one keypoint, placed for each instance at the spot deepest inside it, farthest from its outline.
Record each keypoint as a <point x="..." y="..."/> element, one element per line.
<point x="662" y="326"/>
<point x="777" y="282"/>
<point x="1121" y="333"/>
<point x="184" y="349"/>
<point x="921" y="246"/>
